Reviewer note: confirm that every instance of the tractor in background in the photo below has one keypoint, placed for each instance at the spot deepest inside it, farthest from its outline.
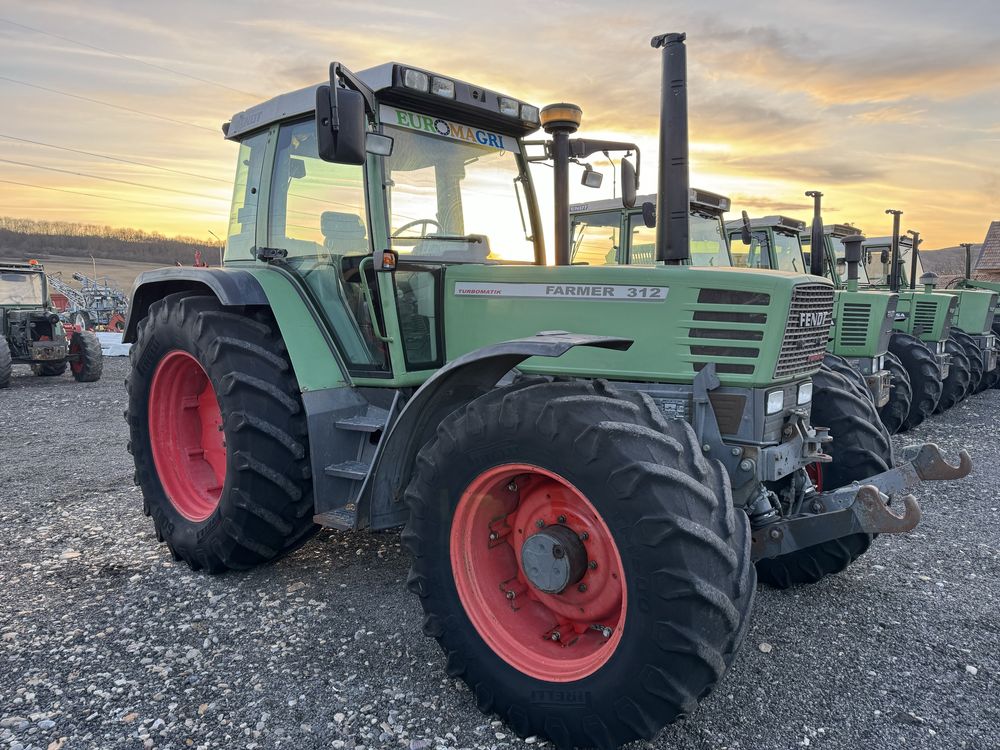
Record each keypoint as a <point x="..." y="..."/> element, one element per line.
<point x="592" y="465"/>
<point x="31" y="332"/>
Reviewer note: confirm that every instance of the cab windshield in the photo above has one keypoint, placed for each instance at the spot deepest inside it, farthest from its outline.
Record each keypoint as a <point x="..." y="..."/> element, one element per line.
<point x="904" y="264"/>
<point x="837" y="243"/>
<point x="452" y="199"/>
<point x="788" y="253"/>
<point x="21" y="288"/>
<point x="875" y="269"/>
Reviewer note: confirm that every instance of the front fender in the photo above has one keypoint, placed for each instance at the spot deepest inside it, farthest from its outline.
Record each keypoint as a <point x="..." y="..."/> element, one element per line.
<point x="455" y="384"/>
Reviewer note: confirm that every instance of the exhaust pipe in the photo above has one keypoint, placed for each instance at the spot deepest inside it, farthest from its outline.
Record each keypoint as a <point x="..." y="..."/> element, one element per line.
<point x="672" y="240"/>
<point x="852" y="256"/>
<point x="968" y="260"/>
<point x="894" y="250"/>
<point x="817" y="245"/>
<point x="913" y="257"/>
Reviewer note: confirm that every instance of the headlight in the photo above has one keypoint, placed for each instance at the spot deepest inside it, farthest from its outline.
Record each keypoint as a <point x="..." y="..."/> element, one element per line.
<point x="805" y="394"/>
<point x="878" y="364"/>
<point x="443" y="87"/>
<point x="940" y="347"/>
<point x="416" y="79"/>
<point x="509" y="107"/>
<point x="775" y="401"/>
<point x="529" y="113"/>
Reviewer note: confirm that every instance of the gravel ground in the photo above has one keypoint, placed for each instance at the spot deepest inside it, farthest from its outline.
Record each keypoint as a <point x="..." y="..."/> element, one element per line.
<point x="105" y="642"/>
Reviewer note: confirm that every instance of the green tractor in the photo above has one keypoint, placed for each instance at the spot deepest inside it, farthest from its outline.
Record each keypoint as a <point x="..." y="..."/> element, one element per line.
<point x="991" y="378"/>
<point x="969" y="340"/>
<point x="587" y="461"/>
<point x="31" y="332"/>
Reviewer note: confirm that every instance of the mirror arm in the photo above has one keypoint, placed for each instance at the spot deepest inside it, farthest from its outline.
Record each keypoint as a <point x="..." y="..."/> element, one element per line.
<point x="341" y="73"/>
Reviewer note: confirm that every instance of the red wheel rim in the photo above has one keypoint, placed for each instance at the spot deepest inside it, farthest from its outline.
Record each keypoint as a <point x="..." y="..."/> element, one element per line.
<point x="76" y="365"/>
<point x="558" y="637"/>
<point x="185" y="431"/>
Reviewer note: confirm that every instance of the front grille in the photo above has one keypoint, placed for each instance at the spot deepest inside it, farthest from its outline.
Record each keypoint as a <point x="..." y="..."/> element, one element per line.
<point x="854" y="324"/>
<point x="709" y="344"/>
<point x="924" y="312"/>
<point x="807" y="330"/>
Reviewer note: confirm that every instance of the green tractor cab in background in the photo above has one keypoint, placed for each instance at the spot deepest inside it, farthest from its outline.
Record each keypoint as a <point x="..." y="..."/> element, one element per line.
<point x="591" y="464"/>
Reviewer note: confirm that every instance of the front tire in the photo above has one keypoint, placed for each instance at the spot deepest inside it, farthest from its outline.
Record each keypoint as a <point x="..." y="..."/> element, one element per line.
<point x="89" y="362"/>
<point x="860" y="448"/>
<point x="6" y="363"/>
<point x="49" y="369"/>
<point x="218" y="435"/>
<point x="893" y="414"/>
<point x="663" y="550"/>
<point x="925" y="377"/>
<point x="956" y="385"/>
<point x="975" y="356"/>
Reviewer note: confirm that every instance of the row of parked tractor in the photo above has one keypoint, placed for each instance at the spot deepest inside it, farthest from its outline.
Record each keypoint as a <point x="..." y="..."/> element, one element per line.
<point x="594" y="460"/>
<point x="919" y="349"/>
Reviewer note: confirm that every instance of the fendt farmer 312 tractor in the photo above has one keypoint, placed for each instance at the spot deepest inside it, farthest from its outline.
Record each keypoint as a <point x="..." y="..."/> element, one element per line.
<point x="31" y="333"/>
<point x="587" y="460"/>
<point x="970" y="342"/>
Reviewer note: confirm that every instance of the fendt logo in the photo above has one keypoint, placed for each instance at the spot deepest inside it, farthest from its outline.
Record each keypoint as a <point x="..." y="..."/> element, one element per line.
<point x="813" y="319"/>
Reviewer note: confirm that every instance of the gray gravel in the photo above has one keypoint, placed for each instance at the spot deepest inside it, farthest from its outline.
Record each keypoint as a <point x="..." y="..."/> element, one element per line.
<point x="105" y="642"/>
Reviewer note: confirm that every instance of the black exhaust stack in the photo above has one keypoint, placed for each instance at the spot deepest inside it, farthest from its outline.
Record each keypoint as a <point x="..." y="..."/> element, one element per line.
<point x="894" y="251"/>
<point x="672" y="201"/>
<point x="913" y="257"/>
<point x="968" y="259"/>
<point x="817" y="245"/>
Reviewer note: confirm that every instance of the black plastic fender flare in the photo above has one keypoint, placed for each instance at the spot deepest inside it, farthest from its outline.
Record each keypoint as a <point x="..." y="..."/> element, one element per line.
<point x="231" y="286"/>
<point x="457" y="383"/>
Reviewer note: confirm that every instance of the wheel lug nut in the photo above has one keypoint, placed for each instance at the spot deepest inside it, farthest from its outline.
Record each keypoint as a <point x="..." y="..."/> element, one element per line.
<point x="592" y="565"/>
<point x="581" y="588"/>
<point x="512" y="486"/>
<point x="555" y="635"/>
<point x="606" y="632"/>
<point x="561" y="519"/>
<point x="540" y="523"/>
<point x="511" y="594"/>
<point x="494" y="536"/>
<point x="584" y="536"/>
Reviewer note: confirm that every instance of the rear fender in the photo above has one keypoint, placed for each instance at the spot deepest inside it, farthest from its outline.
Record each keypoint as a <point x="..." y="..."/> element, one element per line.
<point x="457" y="383"/>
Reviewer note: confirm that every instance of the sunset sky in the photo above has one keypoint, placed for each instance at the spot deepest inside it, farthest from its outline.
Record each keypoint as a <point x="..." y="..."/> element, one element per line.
<point x="878" y="104"/>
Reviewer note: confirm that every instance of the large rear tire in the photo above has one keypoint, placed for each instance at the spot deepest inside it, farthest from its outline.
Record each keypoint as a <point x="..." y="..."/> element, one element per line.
<point x="975" y="356"/>
<point x="893" y="414"/>
<point x="663" y="549"/>
<point x="218" y="435"/>
<point x="860" y="448"/>
<point x="6" y="363"/>
<point x="925" y="377"/>
<point x="956" y="385"/>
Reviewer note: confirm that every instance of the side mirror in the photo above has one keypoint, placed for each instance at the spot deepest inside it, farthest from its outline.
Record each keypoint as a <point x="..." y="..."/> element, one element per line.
<point x="745" y="233"/>
<point x="340" y="125"/>
<point x="649" y="214"/>
<point x="884" y="257"/>
<point x="296" y="168"/>
<point x="629" y="184"/>
<point x="378" y="144"/>
<point x="591" y="177"/>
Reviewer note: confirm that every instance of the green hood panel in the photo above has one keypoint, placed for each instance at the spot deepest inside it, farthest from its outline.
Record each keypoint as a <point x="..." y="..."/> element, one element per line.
<point x="681" y="318"/>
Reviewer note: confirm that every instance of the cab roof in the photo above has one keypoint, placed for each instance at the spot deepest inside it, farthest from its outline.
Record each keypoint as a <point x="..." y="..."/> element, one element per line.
<point x="775" y="221"/>
<point x="699" y="198"/>
<point x="476" y="104"/>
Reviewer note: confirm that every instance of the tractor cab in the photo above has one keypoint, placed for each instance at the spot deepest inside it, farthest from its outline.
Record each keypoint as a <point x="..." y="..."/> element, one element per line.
<point x="606" y="233"/>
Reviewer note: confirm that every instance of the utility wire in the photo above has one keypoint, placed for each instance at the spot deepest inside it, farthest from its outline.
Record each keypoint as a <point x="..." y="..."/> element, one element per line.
<point x="115" y="158"/>
<point x="112" y="179"/>
<point x="108" y="104"/>
<point x="103" y="197"/>
<point x="130" y="58"/>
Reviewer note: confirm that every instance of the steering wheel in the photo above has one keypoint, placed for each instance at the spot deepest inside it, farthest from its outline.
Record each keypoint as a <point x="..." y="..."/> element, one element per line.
<point x="423" y="223"/>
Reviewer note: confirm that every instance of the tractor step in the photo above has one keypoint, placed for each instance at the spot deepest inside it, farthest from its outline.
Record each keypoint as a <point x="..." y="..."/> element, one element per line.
<point x="341" y="518"/>
<point x="356" y="470"/>
<point x="372" y="420"/>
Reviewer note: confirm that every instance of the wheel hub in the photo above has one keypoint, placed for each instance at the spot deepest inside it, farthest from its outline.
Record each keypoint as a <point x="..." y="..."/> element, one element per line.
<point x="553" y="559"/>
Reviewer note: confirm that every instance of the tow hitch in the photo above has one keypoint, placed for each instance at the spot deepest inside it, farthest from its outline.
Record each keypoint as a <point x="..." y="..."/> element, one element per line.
<point x="860" y="507"/>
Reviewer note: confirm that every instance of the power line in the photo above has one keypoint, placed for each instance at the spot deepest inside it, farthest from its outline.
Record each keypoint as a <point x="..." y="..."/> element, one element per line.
<point x="103" y="197"/>
<point x="115" y="158"/>
<point x="112" y="179"/>
<point x="108" y="104"/>
<point x="130" y="58"/>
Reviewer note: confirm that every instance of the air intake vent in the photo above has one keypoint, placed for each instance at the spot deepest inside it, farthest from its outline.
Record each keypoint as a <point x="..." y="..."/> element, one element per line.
<point x="854" y="324"/>
<point x="924" y="312"/>
<point x="735" y="341"/>
<point x="807" y="330"/>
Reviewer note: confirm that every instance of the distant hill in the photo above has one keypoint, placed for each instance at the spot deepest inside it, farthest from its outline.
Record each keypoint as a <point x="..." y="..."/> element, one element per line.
<point x="28" y="238"/>
<point x="947" y="261"/>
